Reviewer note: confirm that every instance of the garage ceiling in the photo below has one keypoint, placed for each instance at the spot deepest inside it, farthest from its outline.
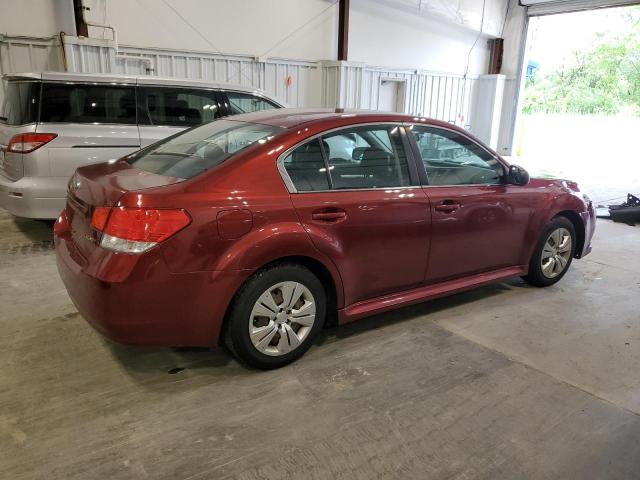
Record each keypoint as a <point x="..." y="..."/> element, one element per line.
<point x="547" y="7"/>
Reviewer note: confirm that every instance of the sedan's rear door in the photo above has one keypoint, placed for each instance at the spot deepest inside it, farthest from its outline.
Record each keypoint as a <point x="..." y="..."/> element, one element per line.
<point x="358" y="197"/>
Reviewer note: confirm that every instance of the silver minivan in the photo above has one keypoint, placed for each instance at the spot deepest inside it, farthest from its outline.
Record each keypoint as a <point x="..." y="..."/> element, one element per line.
<point x="54" y="122"/>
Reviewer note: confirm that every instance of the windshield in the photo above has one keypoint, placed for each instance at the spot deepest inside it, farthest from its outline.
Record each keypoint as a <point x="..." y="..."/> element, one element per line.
<point x="192" y="152"/>
<point x="21" y="103"/>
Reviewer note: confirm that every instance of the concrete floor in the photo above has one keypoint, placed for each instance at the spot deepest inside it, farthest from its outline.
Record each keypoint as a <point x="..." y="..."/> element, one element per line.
<point x="504" y="382"/>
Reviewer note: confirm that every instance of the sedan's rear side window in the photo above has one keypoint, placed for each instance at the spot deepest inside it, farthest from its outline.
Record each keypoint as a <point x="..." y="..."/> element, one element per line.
<point x="190" y="153"/>
<point x="85" y="103"/>
<point x="353" y="158"/>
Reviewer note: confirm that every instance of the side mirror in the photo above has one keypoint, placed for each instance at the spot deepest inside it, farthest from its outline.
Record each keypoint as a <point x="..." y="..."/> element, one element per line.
<point x="518" y="175"/>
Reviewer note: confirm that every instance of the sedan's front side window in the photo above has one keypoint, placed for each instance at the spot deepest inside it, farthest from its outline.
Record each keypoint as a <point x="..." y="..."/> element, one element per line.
<point x="452" y="159"/>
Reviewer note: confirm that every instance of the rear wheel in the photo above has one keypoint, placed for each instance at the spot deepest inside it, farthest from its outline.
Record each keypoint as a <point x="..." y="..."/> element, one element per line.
<point x="553" y="254"/>
<point x="275" y="316"/>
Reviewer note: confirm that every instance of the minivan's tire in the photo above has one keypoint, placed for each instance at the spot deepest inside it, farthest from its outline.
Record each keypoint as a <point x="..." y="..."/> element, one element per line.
<point x="553" y="254"/>
<point x="275" y="316"/>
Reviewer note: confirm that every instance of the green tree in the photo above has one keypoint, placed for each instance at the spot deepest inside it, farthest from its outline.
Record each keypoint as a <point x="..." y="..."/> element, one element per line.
<point x="604" y="79"/>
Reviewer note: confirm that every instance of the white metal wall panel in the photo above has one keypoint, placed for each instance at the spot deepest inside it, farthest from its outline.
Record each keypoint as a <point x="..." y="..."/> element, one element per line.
<point x="546" y="7"/>
<point x="270" y="76"/>
<point x="28" y="54"/>
<point x="445" y="97"/>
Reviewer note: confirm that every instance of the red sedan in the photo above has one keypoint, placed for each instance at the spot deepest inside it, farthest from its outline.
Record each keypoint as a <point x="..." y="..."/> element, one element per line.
<point x="257" y="229"/>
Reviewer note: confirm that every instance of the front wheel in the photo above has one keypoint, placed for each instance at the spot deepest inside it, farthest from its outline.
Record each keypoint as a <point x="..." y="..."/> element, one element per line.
<point x="275" y="316"/>
<point x="553" y="254"/>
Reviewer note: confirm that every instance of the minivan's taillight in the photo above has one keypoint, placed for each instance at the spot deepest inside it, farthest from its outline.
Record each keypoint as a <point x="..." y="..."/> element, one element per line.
<point x="28" y="142"/>
<point x="136" y="230"/>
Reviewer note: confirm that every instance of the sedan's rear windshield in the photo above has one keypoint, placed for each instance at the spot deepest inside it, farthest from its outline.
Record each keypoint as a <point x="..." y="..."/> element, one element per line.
<point x="201" y="148"/>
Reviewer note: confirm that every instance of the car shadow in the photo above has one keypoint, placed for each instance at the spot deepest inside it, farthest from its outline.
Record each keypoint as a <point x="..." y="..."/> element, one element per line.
<point x="335" y="333"/>
<point x="148" y="366"/>
<point x="35" y="230"/>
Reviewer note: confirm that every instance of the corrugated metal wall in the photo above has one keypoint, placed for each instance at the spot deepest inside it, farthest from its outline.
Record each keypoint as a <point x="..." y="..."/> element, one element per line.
<point x="447" y="97"/>
<point x="88" y="55"/>
<point x="28" y="54"/>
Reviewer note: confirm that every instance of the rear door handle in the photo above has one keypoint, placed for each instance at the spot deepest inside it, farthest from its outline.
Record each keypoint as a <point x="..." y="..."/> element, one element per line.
<point x="329" y="215"/>
<point x="447" y="206"/>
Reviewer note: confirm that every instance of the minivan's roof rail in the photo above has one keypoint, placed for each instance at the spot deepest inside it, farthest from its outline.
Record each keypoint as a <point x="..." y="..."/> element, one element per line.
<point x="131" y="79"/>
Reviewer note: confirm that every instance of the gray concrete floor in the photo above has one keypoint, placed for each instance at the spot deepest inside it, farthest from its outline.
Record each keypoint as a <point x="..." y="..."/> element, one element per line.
<point x="504" y="382"/>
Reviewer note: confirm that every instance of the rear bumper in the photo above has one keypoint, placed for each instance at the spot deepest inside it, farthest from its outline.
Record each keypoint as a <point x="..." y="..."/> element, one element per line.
<point x="136" y="300"/>
<point x="33" y="197"/>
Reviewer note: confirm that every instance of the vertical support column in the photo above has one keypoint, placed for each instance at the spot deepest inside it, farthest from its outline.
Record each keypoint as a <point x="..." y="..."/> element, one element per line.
<point x="486" y="111"/>
<point x="81" y="25"/>
<point x="496" y="47"/>
<point x="343" y="30"/>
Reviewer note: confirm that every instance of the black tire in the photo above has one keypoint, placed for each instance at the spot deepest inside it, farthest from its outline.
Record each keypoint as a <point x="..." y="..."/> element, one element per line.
<point x="536" y="276"/>
<point x="236" y="333"/>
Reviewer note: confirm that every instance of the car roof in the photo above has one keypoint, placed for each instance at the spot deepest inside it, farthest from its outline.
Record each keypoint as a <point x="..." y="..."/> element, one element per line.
<point x="295" y="117"/>
<point x="129" y="79"/>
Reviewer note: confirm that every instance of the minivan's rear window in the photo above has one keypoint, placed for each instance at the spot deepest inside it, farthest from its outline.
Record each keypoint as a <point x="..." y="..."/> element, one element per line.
<point x="194" y="151"/>
<point x="88" y="103"/>
<point x="21" y="103"/>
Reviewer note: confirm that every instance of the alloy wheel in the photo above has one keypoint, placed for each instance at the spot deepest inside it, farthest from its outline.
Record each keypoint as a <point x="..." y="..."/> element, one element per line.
<point x="282" y="318"/>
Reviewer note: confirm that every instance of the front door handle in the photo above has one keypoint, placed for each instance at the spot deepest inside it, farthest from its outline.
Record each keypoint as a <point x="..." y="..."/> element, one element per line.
<point x="331" y="215"/>
<point x="448" y="206"/>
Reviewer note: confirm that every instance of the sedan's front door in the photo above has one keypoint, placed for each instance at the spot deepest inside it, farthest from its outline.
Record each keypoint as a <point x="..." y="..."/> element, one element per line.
<point x="357" y="198"/>
<point x="478" y="222"/>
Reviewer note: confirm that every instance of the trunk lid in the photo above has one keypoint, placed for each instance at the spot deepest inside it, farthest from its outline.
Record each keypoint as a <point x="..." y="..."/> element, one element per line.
<point x="103" y="185"/>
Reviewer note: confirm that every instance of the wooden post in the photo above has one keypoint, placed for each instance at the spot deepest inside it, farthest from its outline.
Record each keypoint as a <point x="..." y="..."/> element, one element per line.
<point x="81" y="26"/>
<point x="343" y="30"/>
<point x="495" y="59"/>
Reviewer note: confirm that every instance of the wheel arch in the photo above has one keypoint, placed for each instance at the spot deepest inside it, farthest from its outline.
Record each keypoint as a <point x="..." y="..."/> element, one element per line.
<point x="578" y="227"/>
<point x="318" y="268"/>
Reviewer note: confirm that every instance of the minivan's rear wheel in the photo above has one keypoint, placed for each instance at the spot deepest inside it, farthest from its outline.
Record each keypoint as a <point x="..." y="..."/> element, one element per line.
<point x="275" y="316"/>
<point x="553" y="254"/>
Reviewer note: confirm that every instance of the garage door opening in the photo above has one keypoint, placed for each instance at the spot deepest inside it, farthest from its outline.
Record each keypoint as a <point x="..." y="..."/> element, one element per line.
<point x="580" y="113"/>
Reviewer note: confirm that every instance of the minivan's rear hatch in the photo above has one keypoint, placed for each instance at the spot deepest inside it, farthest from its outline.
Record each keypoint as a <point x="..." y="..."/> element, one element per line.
<point x="19" y="115"/>
<point x="103" y="185"/>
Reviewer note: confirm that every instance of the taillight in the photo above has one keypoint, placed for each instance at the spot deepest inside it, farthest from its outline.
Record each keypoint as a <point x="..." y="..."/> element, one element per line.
<point x="136" y="230"/>
<point x="28" y="142"/>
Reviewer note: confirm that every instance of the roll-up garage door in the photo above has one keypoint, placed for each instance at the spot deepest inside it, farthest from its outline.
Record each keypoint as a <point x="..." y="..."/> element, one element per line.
<point x="549" y="7"/>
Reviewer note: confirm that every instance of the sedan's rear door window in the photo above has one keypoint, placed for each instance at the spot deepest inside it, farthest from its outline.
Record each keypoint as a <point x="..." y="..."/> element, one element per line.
<point x="367" y="157"/>
<point x="306" y="167"/>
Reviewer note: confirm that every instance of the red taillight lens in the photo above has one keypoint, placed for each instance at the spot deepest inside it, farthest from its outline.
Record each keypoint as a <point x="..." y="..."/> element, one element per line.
<point x="99" y="217"/>
<point x="135" y="230"/>
<point x="28" y="142"/>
